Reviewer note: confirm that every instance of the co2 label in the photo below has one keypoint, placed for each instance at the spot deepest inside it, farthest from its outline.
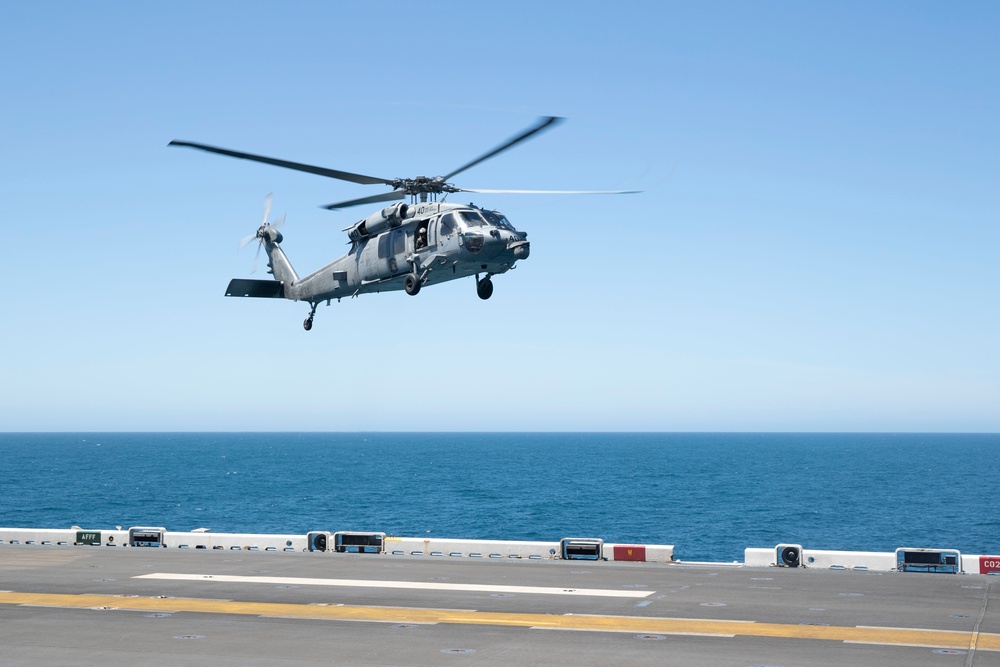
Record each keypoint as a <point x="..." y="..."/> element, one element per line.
<point x="989" y="564"/>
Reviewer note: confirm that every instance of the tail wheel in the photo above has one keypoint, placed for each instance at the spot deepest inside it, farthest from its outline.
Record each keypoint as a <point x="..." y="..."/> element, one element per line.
<point x="308" y="324"/>
<point x="412" y="284"/>
<point x="484" y="288"/>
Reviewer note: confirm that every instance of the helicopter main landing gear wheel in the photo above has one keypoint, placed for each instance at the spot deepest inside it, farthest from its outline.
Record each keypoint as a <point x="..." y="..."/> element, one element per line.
<point x="412" y="284"/>
<point x="484" y="288"/>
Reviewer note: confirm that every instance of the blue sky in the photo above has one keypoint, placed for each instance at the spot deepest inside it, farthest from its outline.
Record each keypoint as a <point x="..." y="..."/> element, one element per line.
<point x="815" y="248"/>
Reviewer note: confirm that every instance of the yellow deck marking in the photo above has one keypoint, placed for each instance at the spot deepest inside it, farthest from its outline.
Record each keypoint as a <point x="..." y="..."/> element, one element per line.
<point x="637" y="624"/>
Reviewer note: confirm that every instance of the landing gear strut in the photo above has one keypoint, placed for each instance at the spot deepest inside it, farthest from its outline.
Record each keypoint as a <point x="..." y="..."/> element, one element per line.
<point x="484" y="287"/>
<point x="308" y="323"/>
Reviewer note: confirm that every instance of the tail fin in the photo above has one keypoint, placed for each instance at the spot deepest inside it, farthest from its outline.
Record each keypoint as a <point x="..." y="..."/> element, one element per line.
<point x="277" y="264"/>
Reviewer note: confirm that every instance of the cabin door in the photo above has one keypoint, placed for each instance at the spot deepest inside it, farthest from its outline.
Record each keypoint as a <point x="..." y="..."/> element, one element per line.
<point x="392" y="253"/>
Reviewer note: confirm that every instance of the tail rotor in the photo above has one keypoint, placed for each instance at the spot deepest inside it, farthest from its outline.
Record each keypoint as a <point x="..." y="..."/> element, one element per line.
<point x="268" y="230"/>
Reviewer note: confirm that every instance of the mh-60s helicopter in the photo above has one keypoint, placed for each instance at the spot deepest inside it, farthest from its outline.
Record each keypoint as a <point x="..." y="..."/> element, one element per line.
<point x="403" y="246"/>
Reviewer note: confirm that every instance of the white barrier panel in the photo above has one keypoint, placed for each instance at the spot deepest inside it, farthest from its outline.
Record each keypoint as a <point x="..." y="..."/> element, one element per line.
<point x="651" y="553"/>
<point x="64" y="536"/>
<point x="236" y="541"/>
<point x="818" y="559"/>
<point x="415" y="546"/>
<point x="756" y="557"/>
<point x="868" y="560"/>
<point x="202" y="539"/>
<point x="119" y="537"/>
<point x="849" y="560"/>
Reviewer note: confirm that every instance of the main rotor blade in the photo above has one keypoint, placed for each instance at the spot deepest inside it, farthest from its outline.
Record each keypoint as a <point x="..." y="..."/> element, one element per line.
<point x="538" y="127"/>
<point x="321" y="171"/>
<point x="551" y="192"/>
<point x="387" y="196"/>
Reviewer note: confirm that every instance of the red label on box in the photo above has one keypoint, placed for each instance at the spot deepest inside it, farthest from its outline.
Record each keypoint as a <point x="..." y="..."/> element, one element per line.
<point x="989" y="564"/>
<point x="630" y="552"/>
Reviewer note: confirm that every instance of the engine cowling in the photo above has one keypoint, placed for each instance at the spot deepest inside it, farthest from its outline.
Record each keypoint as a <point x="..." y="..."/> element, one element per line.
<point x="390" y="216"/>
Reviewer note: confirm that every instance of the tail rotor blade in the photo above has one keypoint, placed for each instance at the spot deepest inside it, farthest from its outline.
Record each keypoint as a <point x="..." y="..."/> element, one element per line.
<point x="246" y="241"/>
<point x="256" y="257"/>
<point x="267" y="207"/>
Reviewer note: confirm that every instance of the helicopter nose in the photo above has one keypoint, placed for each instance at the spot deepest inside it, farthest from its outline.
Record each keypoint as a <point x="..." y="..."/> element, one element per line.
<point x="516" y="243"/>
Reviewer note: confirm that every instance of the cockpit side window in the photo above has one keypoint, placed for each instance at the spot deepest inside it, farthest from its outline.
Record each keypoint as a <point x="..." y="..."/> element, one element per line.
<point x="447" y="225"/>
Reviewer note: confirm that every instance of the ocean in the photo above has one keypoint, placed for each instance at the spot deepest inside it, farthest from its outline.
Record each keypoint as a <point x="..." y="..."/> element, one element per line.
<point x="710" y="495"/>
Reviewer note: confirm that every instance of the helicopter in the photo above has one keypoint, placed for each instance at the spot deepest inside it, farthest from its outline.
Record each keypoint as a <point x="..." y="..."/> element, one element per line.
<point x="402" y="246"/>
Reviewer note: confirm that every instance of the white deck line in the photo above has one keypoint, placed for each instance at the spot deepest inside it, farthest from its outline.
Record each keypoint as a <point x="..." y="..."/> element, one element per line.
<point x="407" y="585"/>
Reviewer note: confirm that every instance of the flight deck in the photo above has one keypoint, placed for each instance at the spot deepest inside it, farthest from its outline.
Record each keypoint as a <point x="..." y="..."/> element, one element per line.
<point x="85" y="603"/>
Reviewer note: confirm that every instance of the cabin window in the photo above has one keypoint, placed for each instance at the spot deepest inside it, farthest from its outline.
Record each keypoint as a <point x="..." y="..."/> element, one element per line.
<point x="383" y="246"/>
<point x="398" y="242"/>
<point x="420" y="237"/>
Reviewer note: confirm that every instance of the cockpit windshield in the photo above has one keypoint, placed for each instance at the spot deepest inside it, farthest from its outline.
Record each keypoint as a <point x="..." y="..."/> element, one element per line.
<point x="481" y="218"/>
<point x="498" y="220"/>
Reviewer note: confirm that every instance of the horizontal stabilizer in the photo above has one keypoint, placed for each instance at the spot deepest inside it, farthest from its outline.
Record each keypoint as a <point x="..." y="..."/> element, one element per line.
<point x="262" y="289"/>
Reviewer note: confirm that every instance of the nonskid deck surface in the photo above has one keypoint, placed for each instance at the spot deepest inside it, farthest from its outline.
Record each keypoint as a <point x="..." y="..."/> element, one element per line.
<point x="84" y="606"/>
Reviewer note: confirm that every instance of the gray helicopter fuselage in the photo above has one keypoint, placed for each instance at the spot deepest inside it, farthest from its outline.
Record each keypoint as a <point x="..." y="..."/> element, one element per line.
<point x="436" y="241"/>
<point x="402" y="246"/>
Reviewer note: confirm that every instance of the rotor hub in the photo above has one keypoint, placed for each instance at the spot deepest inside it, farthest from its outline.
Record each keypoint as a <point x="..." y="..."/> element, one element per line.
<point x="268" y="233"/>
<point x="422" y="185"/>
